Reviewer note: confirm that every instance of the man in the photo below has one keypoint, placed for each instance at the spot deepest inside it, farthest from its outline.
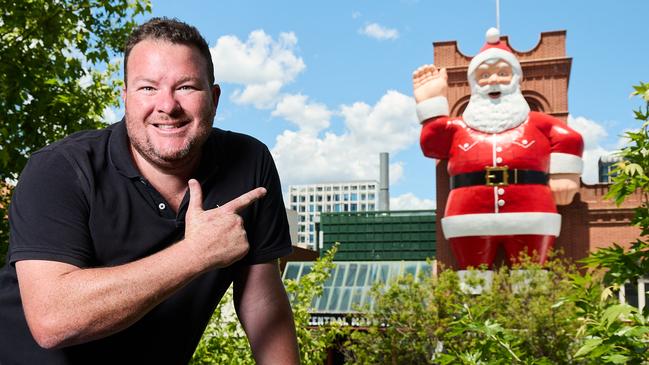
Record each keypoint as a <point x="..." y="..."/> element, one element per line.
<point x="499" y="156"/>
<point x="123" y="240"/>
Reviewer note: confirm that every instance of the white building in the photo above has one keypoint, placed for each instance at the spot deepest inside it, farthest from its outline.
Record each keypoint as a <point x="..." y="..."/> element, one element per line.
<point x="309" y="200"/>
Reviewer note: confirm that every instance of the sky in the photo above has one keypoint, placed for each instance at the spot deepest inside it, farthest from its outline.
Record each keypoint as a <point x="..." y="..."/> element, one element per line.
<point x="326" y="85"/>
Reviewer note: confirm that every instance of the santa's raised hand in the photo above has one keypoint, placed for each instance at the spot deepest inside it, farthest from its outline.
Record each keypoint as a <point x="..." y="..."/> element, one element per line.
<point x="428" y="82"/>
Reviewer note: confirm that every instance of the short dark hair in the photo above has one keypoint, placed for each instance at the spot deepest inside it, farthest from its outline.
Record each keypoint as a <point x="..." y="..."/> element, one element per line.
<point x="170" y="30"/>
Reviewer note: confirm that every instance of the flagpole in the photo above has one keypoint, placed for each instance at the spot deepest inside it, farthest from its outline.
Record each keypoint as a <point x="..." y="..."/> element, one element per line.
<point x="498" y="15"/>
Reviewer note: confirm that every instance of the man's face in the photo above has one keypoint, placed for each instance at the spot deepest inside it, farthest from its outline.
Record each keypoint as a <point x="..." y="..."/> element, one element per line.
<point x="498" y="73"/>
<point x="169" y="102"/>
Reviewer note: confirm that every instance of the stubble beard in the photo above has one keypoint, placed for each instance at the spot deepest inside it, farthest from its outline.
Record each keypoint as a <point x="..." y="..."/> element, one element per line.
<point x="169" y="158"/>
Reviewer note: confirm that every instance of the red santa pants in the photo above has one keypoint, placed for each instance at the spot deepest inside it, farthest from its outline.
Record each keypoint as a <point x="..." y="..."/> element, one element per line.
<point x="478" y="250"/>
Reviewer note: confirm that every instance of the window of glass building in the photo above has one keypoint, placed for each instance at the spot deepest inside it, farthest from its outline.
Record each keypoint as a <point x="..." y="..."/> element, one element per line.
<point x="348" y="286"/>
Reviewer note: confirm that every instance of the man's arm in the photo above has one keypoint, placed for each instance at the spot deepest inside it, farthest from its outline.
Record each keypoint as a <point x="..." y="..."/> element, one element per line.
<point x="66" y="305"/>
<point x="265" y="313"/>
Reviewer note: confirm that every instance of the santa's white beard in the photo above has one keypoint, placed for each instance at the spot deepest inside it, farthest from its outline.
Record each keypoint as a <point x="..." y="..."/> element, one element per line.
<point x="496" y="115"/>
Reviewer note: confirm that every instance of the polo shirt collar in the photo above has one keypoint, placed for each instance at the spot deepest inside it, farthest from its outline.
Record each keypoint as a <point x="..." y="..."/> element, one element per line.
<point x="120" y="152"/>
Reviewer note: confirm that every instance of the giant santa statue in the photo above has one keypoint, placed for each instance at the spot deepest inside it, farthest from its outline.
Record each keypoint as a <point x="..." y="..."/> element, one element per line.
<point x="508" y="165"/>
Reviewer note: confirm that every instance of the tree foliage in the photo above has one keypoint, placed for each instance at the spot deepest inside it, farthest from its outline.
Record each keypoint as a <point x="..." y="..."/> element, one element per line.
<point x="618" y="333"/>
<point x="434" y="320"/>
<point x="56" y="74"/>
<point x="224" y="341"/>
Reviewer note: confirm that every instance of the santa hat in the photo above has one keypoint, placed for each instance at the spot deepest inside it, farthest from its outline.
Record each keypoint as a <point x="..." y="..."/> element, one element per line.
<point x="494" y="49"/>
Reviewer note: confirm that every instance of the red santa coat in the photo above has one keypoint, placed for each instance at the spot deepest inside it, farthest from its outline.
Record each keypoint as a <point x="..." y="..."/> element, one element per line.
<point x="541" y="143"/>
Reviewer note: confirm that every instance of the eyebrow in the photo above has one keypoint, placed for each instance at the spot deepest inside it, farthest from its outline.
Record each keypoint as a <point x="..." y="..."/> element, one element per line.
<point x="179" y="81"/>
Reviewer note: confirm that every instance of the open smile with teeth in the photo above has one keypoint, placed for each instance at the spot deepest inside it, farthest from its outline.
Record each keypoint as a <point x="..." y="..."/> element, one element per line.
<point x="170" y="126"/>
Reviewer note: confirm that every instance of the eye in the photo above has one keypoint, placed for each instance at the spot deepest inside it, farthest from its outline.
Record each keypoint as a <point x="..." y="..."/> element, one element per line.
<point x="147" y="88"/>
<point x="503" y="73"/>
<point x="485" y="75"/>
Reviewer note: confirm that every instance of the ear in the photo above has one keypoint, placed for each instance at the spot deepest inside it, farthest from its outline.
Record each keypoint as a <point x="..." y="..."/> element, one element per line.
<point x="216" y="93"/>
<point x="124" y="94"/>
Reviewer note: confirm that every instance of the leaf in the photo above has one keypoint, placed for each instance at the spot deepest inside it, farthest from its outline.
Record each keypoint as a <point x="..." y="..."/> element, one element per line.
<point x="616" y="359"/>
<point x="589" y="345"/>
<point x="613" y="313"/>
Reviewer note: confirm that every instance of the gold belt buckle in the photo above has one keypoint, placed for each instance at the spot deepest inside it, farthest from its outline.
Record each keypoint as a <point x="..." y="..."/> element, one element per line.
<point x="491" y="174"/>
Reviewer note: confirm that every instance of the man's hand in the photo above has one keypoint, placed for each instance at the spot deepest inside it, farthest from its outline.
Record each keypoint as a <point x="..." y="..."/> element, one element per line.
<point x="217" y="235"/>
<point x="564" y="187"/>
<point x="428" y="82"/>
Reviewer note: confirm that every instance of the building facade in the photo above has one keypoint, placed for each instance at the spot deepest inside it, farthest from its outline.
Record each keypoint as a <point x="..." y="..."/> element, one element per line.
<point x="606" y="166"/>
<point x="312" y="199"/>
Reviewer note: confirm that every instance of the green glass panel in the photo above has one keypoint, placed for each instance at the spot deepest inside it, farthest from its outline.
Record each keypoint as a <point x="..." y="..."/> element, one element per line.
<point x="306" y="268"/>
<point x="340" y="275"/>
<point x="323" y="300"/>
<point x="362" y="275"/>
<point x="344" y="301"/>
<point x="292" y="270"/>
<point x="335" y="296"/>
<point x="351" y="274"/>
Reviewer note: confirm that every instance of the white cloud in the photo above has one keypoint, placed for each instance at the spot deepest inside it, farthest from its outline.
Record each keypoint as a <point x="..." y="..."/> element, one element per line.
<point x="303" y="156"/>
<point x="409" y="201"/>
<point x="377" y="31"/>
<point x="262" y="65"/>
<point x="309" y="117"/>
<point x="593" y="134"/>
<point x="110" y="116"/>
<point x="356" y="14"/>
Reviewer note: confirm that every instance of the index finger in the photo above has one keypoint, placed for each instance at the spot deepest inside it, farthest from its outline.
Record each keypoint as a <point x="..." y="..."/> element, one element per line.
<point x="238" y="204"/>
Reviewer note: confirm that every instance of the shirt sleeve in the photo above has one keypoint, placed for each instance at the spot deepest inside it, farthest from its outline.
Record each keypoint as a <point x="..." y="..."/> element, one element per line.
<point x="48" y="215"/>
<point x="269" y="235"/>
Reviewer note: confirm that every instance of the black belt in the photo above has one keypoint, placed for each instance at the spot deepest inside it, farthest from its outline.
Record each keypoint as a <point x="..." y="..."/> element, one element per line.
<point x="499" y="176"/>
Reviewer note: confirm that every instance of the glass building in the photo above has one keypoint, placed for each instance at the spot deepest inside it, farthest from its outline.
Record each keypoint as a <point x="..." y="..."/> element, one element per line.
<point x="309" y="201"/>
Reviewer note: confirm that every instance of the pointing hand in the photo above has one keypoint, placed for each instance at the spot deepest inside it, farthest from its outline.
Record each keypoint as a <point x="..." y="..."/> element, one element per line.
<point x="217" y="235"/>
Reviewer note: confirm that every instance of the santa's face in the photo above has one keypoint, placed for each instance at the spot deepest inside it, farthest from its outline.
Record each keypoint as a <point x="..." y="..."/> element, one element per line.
<point x="496" y="103"/>
<point x="499" y="73"/>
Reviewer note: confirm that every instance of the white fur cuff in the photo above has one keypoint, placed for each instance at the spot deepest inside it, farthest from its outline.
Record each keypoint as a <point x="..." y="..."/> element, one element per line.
<point x="433" y="107"/>
<point x="565" y="163"/>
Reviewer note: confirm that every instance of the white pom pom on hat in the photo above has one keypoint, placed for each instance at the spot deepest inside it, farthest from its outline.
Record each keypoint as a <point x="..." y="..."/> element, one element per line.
<point x="494" y="49"/>
<point x="493" y="35"/>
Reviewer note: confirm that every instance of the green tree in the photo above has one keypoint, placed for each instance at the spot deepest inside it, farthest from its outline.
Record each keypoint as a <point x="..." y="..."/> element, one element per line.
<point x="56" y="74"/>
<point x="434" y="320"/>
<point x="224" y="341"/>
<point x="617" y="333"/>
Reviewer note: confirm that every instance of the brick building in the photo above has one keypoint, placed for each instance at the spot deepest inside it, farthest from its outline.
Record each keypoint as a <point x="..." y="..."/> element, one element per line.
<point x="590" y="221"/>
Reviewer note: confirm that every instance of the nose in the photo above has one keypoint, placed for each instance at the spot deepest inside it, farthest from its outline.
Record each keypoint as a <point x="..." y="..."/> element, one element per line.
<point x="167" y="103"/>
<point x="493" y="79"/>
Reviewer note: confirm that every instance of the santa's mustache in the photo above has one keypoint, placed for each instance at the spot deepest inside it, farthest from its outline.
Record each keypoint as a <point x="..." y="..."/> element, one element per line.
<point x="494" y="88"/>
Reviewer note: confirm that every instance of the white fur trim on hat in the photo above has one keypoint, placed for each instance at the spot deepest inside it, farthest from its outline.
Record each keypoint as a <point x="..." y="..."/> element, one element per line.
<point x="495" y="224"/>
<point x="433" y="107"/>
<point x="494" y="53"/>
<point x="565" y="163"/>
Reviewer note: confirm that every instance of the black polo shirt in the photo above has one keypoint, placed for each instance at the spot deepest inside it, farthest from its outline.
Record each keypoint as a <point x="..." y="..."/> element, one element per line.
<point x="82" y="201"/>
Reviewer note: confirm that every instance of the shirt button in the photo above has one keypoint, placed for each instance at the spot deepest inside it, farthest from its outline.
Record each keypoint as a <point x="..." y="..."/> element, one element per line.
<point x="501" y="203"/>
<point x="499" y="149"/>
<point x="501" y="191"/>
<point x="161" y="206"/>
<point x="524" y="141"/>
<point x="499" y="160"/>
<point x="466" y="145"/>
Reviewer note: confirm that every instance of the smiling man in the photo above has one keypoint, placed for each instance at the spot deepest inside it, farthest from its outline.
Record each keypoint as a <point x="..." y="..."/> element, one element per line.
<point x="123" y="240"/>
<point x="509" y="166"/>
